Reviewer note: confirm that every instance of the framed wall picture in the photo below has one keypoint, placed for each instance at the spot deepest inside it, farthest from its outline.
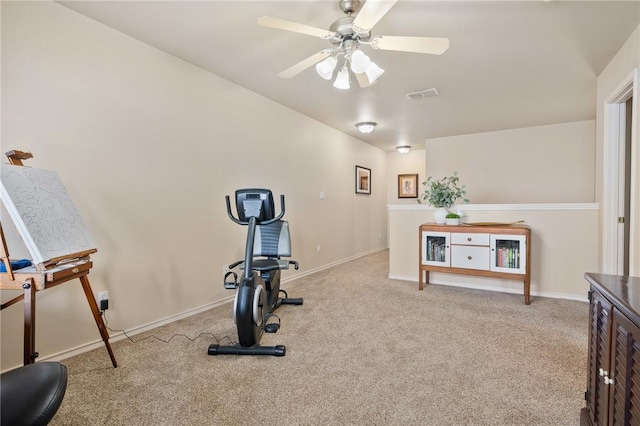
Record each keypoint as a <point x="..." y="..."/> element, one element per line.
<point x="363" y="180"/>
<point x="408" y="186"/>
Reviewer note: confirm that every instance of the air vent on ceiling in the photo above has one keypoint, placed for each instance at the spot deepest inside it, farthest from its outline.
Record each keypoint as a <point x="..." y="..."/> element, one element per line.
<point x="423" y="94"/>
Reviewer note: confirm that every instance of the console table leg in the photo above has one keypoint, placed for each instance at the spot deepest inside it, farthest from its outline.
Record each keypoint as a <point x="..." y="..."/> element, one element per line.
<point x="527" y="289"/>
<point x="424" y="279"/>
<point x="96" y="315"/>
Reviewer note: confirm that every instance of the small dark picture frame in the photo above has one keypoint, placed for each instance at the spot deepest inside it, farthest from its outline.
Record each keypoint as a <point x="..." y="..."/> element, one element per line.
<point x="408" y="186"/>
<point x="363" y="180"/>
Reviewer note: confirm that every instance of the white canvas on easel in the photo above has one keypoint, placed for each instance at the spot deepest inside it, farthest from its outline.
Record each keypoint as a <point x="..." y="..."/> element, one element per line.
<point x="43" y="213"/>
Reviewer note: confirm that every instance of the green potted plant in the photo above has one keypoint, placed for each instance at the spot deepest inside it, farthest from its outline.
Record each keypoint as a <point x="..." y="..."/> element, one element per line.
<point x="452" y="219"/>
<point x="443" y="194"/>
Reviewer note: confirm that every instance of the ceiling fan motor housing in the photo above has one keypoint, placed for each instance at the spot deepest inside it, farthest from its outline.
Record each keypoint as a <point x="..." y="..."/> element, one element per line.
<point x="343" y="28"/>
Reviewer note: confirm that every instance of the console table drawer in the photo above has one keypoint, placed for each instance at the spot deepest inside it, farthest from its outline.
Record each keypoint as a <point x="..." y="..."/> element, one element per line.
<point x="470" y="239"/>
<point x="470" y="257"/>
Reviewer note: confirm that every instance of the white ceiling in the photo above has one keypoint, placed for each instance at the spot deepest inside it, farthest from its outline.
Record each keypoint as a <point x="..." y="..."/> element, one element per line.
<point x="510" y="64"/>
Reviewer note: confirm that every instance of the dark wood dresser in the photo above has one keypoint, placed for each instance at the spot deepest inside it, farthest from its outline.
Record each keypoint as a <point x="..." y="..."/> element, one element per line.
<point x="613" y="381"/>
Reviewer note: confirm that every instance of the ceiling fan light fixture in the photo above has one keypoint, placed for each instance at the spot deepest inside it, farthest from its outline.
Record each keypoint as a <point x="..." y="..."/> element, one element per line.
<point x="342" y="80"/>
<point x="325" y="68"/>
<point x="346" y="34"/>
<point x="373" y="72"/>
<point x="359" y="62"/>
<point x="366" y="126"/>
<point x="403" y="149"/>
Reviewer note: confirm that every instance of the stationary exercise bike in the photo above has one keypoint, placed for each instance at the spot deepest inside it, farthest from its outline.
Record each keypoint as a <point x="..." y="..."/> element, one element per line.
<point x="258" y="293"/>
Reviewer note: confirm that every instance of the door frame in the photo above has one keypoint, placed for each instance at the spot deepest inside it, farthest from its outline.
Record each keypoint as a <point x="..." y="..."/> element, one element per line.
<point x="614" y="133"/>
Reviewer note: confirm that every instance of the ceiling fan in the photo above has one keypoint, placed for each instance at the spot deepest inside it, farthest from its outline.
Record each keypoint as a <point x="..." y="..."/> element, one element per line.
<point x="347" y="34"/>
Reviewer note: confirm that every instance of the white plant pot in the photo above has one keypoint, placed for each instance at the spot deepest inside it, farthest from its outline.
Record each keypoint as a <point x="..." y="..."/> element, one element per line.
<point x="452" y="221"/>
<point x="440" y="215"/>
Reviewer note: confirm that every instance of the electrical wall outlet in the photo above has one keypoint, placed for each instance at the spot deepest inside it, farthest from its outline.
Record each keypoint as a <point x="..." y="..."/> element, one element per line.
<point x="103" y="300"/>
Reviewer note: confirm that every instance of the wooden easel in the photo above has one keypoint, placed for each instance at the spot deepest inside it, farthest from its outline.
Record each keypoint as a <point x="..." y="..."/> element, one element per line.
<point x="43" y="276"/>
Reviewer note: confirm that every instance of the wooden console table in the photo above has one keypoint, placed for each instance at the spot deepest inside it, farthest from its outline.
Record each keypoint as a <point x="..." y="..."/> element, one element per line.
<point x="496" y="251"/>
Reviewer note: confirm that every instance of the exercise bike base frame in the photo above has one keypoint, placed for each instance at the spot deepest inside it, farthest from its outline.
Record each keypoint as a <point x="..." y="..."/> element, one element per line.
<point x="215" y="349"/>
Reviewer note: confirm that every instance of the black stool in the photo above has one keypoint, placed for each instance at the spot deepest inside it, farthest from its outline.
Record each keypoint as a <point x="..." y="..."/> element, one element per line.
<point x="32" y="394"/>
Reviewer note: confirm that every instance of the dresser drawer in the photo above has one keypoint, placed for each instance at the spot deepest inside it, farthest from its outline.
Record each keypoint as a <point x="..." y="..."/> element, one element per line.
<point x="470" y="257"/>
<point x="470" y="239"/>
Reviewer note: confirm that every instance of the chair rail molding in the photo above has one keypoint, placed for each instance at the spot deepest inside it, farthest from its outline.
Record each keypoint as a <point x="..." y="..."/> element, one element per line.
<point x="503" y="207"/>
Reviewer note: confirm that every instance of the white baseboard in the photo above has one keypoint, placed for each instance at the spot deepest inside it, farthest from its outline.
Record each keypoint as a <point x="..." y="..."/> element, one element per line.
<point x="403" y="278"/>
<point x="119" y="335"/>
<point x="580" y="298"/>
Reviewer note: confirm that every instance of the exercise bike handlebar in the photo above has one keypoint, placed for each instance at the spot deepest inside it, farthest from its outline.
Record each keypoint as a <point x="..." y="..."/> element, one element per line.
<point x="226" y="197"/>
<point x="266" y="222"/>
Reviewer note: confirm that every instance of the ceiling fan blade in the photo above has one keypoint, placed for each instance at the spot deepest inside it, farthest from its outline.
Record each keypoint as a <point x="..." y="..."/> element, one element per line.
<point x="432" y="45"/>
<point x="363" y="80"/>
<point x="371" y="12"/>
<point x="304" y="64"/>
<point x="281" y="24"/>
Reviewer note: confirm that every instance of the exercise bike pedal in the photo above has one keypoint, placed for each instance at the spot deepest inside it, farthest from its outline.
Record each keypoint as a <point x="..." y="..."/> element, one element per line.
<point x="286" y="300"/>
<point x="228" y="284"/>
<point x="272" y="328"/>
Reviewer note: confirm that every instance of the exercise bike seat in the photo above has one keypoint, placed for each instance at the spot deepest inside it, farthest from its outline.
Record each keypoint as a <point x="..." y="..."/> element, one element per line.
<point x="265" y="265"/>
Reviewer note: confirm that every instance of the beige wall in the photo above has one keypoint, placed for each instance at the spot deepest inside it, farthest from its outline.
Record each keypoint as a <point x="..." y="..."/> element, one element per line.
<point x="148" y="146"/>
<point x="544" y="164"/>
<point x="626" y="61"/>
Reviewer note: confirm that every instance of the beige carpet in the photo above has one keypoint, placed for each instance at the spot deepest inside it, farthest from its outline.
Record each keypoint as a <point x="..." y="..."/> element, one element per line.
<point x="362" y="350"/>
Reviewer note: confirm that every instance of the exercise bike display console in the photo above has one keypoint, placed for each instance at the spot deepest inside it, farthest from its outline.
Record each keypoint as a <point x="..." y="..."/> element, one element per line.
<point x="258" y="292"/>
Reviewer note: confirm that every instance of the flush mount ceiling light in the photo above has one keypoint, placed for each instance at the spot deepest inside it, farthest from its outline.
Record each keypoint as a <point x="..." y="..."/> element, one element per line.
<point x="348" y="34"/>
<point x="366" y="126"/>
<point x="403" y="149"/>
